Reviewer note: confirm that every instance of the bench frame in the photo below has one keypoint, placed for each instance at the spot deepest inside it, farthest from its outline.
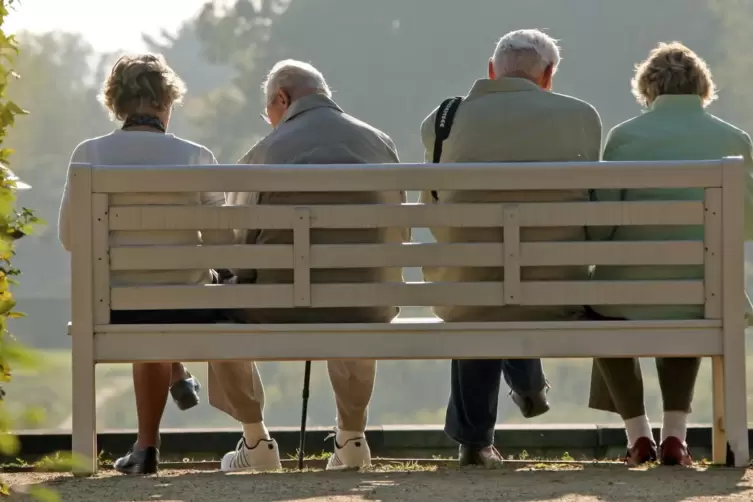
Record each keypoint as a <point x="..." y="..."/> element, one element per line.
<point x="720" y="336"/>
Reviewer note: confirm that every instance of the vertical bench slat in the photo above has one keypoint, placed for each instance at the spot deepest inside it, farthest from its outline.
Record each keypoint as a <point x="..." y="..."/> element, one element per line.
<point x="302" y="257"/>
<point x="511" y="236"/>
<point x="84" y="440"/>
<point x="713" y="310"/>
<point x="735" y="423"/>
<point x="712" y="266"/>
<point x="101" y="258"/>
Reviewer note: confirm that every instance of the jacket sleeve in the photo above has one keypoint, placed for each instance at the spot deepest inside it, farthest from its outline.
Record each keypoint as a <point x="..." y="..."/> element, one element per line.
<point x="427" y="139"/>
<point x="64" y="223"/>
<point x="402" y="196"/>
<point x="611" y="146"/>
<point x="748" y="156"/>
<point x="216" y="236"/>
<point x="591" y="134"/>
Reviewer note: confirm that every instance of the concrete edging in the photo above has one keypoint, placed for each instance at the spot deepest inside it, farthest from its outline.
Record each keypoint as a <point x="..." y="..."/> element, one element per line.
<point x="417" y="441"/>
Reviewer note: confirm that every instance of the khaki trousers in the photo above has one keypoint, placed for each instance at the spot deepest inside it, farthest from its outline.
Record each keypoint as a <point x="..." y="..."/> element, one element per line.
<point x="236" y="387"/>
<point x="617" y="385"/>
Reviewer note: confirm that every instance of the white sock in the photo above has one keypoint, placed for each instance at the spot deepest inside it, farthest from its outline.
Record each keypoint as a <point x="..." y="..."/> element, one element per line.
<point x="254" y="432"/>
<point x="343" y="437"/>
<point x="675" y="424"/>
<point x="636" y="428"/>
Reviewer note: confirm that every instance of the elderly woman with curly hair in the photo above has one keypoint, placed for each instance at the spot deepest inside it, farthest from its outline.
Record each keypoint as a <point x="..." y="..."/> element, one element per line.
<point x="140" y="92"/>
<point x="675" y="85"/>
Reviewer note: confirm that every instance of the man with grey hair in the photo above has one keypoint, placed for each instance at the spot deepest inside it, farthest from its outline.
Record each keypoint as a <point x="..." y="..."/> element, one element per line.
<point x="310" y="128"/>
<point x="510" y="117"/>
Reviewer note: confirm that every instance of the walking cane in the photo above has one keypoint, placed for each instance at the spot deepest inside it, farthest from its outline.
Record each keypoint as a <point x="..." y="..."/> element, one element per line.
<point x="304" y="411"/>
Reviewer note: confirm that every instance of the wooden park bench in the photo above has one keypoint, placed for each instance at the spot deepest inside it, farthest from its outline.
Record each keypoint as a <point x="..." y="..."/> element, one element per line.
<point x="719" y="335"/>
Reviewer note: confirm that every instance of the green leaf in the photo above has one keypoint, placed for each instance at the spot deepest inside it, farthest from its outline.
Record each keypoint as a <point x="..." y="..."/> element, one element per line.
<point x="9" y="444"/>
<point x="61" y="461"/>
<point x="14" y="108"/>
<point x="33" y="417"/>
<point x="44" y="494"/>
<point x="22" y="356"/>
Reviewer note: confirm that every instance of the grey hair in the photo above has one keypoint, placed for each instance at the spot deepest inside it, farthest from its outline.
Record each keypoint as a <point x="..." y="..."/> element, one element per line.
<point x="527" y="52"/>
<point x="293" y="77"/>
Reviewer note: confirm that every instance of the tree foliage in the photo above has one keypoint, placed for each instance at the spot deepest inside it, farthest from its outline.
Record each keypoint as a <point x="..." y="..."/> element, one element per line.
<point x="14" y="225"/>
<point x="58" y="80"/>
<point x="237" y="36"/>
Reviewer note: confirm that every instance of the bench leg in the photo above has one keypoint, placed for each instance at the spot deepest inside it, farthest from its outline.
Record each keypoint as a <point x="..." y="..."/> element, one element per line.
<point x="735" y="422"/>
<point x="718" y="437"/>
<point x="84" y="438"/>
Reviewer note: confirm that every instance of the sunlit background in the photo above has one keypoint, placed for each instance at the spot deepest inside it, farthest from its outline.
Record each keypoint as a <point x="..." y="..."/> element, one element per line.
<point x="390" y="62"/>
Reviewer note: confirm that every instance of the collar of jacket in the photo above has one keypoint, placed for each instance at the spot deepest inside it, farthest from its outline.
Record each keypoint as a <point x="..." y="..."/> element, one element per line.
<point x="677" y="102"/>
<point x="508" y="84"/>
<point x="307" y="103"/>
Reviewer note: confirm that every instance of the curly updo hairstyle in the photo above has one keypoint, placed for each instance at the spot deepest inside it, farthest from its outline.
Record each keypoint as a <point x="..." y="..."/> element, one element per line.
<point x="672" y="68"/>
<point x="140" y="81"/>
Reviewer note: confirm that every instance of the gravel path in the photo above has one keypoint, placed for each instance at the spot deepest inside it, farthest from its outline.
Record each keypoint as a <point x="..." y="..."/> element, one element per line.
<point x="567" y="483"/>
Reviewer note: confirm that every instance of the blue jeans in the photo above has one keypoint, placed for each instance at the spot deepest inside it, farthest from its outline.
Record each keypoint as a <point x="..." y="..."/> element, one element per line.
<point x="474" y="395"/>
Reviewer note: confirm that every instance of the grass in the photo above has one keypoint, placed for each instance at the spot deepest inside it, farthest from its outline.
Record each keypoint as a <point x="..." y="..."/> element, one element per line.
<point x="410" y="466"/>
<point x="322" y="455"/>
<point x="62" y="461"/>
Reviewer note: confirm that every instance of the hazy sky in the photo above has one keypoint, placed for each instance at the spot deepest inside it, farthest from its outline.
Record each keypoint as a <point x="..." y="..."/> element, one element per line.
<point x="107" y="24"/>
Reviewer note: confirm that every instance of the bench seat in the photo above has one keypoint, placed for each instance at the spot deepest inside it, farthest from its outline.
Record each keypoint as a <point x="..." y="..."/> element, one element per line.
<point x="414" y="339"/>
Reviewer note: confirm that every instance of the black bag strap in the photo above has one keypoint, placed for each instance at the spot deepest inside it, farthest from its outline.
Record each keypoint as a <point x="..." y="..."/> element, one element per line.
<point x="442" y="126"/>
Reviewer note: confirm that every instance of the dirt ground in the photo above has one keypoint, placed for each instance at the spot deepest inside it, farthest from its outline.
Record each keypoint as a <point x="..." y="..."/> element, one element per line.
<point x="515" y="483"/>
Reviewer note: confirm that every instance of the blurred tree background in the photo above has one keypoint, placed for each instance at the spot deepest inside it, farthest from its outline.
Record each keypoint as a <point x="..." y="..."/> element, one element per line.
<point x="389" y="63"/>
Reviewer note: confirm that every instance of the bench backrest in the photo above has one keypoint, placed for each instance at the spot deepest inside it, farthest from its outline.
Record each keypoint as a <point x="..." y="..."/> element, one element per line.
<point x="720" y="212"/>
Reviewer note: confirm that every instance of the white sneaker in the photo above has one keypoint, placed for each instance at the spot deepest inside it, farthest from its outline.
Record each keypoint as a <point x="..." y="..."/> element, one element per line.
<point x="263" y="456"/>
<point x="354" y="454"/>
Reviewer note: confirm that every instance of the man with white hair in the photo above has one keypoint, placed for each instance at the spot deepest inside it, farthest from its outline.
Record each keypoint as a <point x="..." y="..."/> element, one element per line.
<point x="510" y="117"/>
<point x="310" y="128"/>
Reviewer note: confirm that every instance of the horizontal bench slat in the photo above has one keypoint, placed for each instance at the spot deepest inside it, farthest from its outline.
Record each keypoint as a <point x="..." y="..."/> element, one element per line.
<point x="437" y="341"/>
<point x="407" y="215"/>
<point x="273" y="256"/>
<point x="367" y="177"/>
<point x="270" y="256"/>
<point x="413" y="325"/>
<point x="408" y="294"/>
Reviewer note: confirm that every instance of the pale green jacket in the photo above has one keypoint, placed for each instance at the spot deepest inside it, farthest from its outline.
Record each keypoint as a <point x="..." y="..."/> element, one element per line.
<point x="676" y="127"/>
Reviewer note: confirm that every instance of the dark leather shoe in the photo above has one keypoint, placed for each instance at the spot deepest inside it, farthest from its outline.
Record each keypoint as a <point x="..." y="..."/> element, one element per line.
<point x="473" y="455"/>
<point x="532" y="406"/>
<point x="642" y="452"/>
<point x="185" y="392"/>
<point x="675" y="452"/>
<point x="139" y="461"/>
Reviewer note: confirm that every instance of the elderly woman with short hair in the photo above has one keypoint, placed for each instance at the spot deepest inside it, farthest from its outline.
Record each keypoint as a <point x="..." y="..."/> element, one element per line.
<point x="675" y="85"/>
<point x="140" y="92"/>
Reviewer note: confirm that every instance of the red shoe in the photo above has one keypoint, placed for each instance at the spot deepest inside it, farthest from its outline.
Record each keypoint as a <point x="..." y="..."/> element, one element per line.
<point x="642" y="452"/>
<point x="675" y="452"/>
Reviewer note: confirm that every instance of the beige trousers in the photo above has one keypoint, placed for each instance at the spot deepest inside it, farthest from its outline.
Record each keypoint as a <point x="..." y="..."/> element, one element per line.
<point x="236" y="388"/>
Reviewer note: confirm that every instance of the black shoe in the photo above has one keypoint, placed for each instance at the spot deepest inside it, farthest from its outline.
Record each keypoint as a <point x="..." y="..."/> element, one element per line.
<point x="531" y="406"/>
<point x="145" y="461"/>
<point x="474" y="455"/>
<point x="185" y="392"/>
